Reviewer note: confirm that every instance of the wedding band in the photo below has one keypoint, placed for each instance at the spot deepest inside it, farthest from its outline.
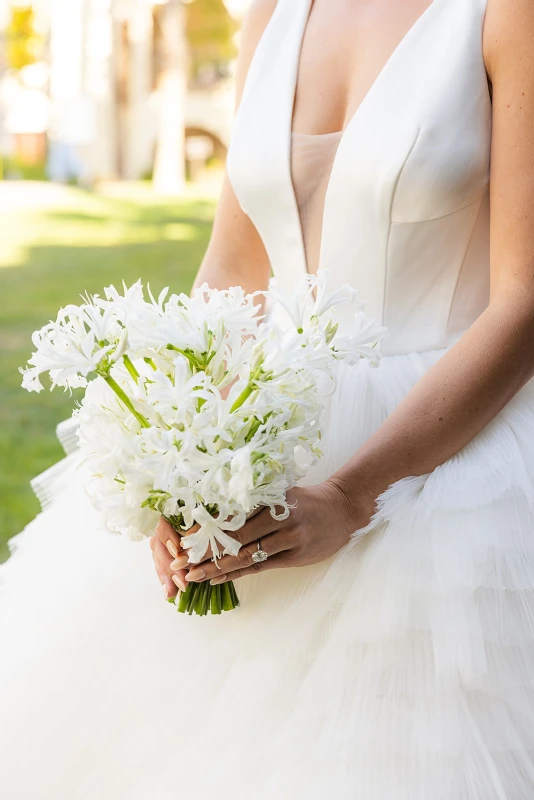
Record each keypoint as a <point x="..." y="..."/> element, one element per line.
<point x="259" y="554"/>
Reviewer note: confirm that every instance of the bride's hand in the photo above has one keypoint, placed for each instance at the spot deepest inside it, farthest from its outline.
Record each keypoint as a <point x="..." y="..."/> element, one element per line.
<point x="319" y="525"/>
<point x="166" y="550"/>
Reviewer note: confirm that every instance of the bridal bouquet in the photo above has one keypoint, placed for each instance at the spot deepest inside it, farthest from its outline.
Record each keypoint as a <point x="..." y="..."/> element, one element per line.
<point x="198" y="408"/>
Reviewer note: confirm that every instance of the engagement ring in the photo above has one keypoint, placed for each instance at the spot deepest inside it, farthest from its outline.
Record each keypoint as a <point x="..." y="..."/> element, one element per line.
<point x="259" y="555"/>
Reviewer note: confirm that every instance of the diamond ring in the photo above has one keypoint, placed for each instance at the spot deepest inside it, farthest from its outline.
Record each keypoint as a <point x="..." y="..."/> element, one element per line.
<point x="259" y="554"/>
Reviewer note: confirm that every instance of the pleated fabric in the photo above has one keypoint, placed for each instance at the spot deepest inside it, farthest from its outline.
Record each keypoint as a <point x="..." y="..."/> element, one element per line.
<point x="400" y="669"/>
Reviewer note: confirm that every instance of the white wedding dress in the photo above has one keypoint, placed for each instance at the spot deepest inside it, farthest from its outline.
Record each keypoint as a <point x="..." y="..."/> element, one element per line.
<point x="400" y="669"/>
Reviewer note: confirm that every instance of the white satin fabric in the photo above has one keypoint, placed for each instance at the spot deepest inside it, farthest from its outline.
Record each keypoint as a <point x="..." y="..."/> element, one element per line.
<point x="403" y="667"/>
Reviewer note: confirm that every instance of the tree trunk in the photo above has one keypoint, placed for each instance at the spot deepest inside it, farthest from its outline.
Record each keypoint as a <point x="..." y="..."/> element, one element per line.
<point x="169" y="166"/>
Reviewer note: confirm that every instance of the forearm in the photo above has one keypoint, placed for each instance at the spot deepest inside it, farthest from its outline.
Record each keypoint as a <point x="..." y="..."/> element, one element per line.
<point x="235" y="255"/>
<point x="447" y="408"/>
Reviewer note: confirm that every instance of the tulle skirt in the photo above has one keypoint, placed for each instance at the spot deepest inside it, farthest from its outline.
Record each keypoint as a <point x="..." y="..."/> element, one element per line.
<point x="400" y="669"/>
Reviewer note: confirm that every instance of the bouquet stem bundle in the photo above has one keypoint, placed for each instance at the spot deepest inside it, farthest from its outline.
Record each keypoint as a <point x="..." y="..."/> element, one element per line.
<point x="202" y="599"/>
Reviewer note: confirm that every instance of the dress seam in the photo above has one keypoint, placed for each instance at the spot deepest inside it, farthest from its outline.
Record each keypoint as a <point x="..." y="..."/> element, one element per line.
<point x="390" y="222"/>
<point x="462" y="265"/>
<point x="441" y="216"/>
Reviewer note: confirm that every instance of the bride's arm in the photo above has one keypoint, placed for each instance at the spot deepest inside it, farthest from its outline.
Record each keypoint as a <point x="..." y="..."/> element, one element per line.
<point x="236" y="255"/>
<point x="462" y="393"/>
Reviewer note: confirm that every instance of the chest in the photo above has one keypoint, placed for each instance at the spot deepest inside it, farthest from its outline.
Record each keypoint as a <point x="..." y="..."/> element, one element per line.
<point x="344" y="47"/>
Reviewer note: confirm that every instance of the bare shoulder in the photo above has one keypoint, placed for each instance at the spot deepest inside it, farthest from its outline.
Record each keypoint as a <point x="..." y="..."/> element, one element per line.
<point x="256" y="20"/>
<point x="258" y="16"/>
<point x="508" y="35"/>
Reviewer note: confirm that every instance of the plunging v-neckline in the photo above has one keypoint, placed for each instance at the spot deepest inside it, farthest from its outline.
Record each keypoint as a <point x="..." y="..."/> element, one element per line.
<point x="354" y="116"/>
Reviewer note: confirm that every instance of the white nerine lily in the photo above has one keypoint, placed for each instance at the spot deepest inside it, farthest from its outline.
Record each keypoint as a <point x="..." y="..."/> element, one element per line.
<point x="200" y="405"/>
<point x="210" y="534"/>
<point x="325" y="299"/>
<point x="296" y="304"/>
<point x="67" y="360"/>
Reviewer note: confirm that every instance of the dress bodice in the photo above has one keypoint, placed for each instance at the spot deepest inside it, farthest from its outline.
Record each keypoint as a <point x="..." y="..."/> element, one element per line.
<point x="405" y="196"/>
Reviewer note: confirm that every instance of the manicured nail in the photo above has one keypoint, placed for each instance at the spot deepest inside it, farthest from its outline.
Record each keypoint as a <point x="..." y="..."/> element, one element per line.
<point x="165" y="590"/>
<point x="195" y="575"/>
<point x="218" y="579"/>
<point x="180" y="563"/>
<point x="179" y="582"/>
<point x="171" y="547"/>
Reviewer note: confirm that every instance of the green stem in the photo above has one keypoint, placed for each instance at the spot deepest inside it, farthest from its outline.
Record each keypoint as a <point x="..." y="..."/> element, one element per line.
<point x="130" y="367"/>
<point x="243" y="397"/>
<point x="227" y="597"/>
<point x="256" y="422"/>
<point x="247" y="391"/>
<point x="202" y="599"/>
<point x="126" y="400"/>
<point x="193" y="361"/>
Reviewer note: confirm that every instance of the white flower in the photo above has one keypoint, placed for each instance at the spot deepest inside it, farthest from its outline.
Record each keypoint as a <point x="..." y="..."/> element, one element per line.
<point x="295" y="304"/>
<point x="325" y="299"/>
<point x="79" y="342"/>
<point x="361" y="342"/>
<point x="211" y="533"/>
<point x="67" y="359"/>
<point x="312" y="298"/>
<point x="157" y="433"/>
<point x="241" y="483"/>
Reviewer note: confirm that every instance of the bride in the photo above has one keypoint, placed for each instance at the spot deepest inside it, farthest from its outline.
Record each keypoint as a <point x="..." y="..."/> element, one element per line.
<point x="390" y="143"/>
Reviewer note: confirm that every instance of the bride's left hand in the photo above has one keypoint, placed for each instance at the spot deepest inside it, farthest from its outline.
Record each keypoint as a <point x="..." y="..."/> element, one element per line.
<point x="319" y="524"/>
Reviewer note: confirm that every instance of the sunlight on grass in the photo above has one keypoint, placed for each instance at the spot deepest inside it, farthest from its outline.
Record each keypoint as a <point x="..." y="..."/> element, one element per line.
<point x="12" y="254"/>
<point x="84" y="234"/>
<point x="93" y="221"/>
<point x="47" y="258"/>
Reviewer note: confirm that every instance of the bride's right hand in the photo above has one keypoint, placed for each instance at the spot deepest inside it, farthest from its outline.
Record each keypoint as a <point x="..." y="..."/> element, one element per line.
<point x="166" y="551"/>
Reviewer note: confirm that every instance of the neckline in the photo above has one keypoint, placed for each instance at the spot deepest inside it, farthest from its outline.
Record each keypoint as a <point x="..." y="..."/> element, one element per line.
<point x="375" y="85"/>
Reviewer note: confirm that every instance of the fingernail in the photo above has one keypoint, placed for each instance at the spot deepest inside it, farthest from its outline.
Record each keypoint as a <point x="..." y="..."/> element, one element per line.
<point x="171" y="547"/>
<point x="195" y="575"/>
<point x="165" y="590"/>
<point x="180" y="563"/>
<point x="179" y="582"/>
<point x="217" y="580"/>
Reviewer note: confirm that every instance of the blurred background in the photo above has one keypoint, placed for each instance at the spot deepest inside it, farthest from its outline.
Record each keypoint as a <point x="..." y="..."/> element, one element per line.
<point x="115" y="118"/>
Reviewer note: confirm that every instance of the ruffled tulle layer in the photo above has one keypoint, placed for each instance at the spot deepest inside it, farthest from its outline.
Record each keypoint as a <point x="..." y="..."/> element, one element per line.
<point x="401" y="669"/>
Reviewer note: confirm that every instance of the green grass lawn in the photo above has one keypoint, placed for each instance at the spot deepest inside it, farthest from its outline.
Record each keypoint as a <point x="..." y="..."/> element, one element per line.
<point x="49" y="256"/>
